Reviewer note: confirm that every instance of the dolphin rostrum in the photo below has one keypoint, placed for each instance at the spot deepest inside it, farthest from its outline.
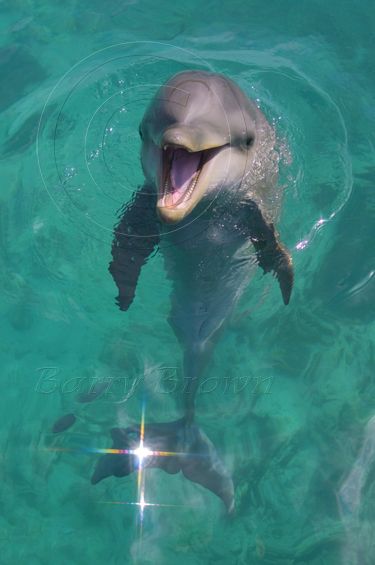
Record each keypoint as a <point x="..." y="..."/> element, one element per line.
<point x="209" y="203"/>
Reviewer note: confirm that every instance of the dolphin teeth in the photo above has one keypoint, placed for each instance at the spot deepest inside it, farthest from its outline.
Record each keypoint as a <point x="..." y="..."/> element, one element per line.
<point x="191" y="187"/>
<point x="166" y="186"/>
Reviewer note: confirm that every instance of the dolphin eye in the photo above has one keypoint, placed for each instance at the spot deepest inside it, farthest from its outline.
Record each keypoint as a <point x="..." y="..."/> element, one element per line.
<point x="249" y="141"/>
<point x="140" y="132"/>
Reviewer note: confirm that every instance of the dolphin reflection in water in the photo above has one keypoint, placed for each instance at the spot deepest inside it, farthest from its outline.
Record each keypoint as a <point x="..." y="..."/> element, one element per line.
<point x="209" y="203"/>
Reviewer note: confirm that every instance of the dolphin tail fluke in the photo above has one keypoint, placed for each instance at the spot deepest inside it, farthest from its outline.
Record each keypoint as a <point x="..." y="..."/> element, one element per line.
<point x="173" y="447"/>
<point x="202" y="465"/>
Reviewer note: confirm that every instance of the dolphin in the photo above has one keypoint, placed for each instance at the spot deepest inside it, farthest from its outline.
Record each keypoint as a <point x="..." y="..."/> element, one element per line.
<point x="209" y="204"/>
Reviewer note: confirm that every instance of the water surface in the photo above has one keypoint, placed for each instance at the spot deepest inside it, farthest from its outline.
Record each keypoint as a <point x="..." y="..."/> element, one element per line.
<point x="290" y="390"/>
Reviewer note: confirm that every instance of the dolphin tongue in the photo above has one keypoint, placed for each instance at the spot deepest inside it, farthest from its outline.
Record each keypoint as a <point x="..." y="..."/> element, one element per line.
<point x="184" y="166"/>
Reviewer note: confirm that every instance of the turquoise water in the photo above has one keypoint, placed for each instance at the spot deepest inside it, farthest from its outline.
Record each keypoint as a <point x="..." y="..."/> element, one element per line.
<point x="290" y="391"/>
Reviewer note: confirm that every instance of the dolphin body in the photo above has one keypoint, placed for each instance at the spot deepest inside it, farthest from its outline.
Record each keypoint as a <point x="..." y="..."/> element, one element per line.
<point x="209" y="203"/>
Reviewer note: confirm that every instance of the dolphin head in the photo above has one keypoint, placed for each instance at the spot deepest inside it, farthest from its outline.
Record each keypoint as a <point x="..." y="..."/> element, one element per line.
<point x="198" y="138"/>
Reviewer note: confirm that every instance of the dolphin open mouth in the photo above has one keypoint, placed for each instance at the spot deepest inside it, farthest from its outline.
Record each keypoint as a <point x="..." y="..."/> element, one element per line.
<point x="181" y="185"/>
<point x="181" y="170"/>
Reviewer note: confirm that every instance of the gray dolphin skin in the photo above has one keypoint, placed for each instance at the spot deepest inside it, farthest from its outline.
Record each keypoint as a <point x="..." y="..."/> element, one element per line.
<point x="209" y="204"/>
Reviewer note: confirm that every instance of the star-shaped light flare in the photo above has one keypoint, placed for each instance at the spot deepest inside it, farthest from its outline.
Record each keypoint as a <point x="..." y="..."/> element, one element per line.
<point x="141" y="452"/>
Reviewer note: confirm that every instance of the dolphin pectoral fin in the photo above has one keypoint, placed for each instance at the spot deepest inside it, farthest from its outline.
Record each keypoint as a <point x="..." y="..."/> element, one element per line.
<point x="135" y="238"/>
<point x="172" y="447"/>
<point x="271" y="254"/>
<point x="285" y="273"/>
